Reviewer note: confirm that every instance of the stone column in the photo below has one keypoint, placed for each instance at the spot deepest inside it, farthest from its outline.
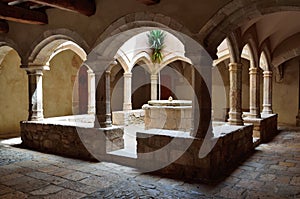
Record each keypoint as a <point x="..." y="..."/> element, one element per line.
<point x="127" y="105"/>
<point x="35" y="91"/>
<point x="154" y="79"/>
<point x="267" y="95"/>
<point x="103" y="112"/>
<point x="254" y="93"/>
<point x="235" y="94"/>
<point x="91" y="92"/>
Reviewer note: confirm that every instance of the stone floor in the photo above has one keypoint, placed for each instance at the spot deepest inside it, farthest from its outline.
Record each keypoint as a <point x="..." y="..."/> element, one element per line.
<point x="273" y="171"/>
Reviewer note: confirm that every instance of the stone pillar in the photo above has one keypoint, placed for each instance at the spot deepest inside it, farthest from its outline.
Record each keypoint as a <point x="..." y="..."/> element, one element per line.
<point x="35" y="91"/>
<point x="235" y="94"/>
<point x="103" y="112"/>
<point x="127" y="105"/>
<point x="91" y="92"/>
<point x="154" y="79"/>
<point x="254" y="93"/>
<point x="267" y="95"/>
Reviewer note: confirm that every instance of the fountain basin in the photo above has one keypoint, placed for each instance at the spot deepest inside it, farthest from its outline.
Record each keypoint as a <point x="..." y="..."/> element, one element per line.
<point x="170" y="115"/>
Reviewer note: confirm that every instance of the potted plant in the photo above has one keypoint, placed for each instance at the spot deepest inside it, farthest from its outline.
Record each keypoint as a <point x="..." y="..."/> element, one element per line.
<point x="156" y="41"/>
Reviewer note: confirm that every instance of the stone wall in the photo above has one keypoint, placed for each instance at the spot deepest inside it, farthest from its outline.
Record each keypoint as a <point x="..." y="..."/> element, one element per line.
<point x="71" y="141"/>
<point x="228" y="148"/>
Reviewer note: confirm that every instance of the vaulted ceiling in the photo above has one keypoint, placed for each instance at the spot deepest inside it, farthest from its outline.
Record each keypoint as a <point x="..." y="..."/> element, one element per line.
<point x="276" y="27"/>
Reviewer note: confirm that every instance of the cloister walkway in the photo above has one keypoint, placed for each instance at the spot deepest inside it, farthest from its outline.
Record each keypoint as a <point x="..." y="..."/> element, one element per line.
<point x="273" y="171"/>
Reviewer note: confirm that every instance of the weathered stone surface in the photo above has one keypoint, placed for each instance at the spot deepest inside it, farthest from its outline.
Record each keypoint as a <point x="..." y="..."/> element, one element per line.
<point x="70" y="140"/>
<point x="168" y="117"/>
<point x="185" y="158"/>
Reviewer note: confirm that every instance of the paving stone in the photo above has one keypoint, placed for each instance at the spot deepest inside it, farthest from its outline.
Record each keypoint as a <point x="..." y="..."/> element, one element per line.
<point x="31" y="185"/>
<point x="66" y="193"/>
<point x="250" y="184"/>
<point x="287" y="164"/>
<point x="296" y="181"/>
<point x="16" y="181"/>
<point x="249" y="175"/>
<point x="76" y="176"/>
<point x="283" y="179"/>
<point x="80" y="187"/>
<point x="14" y="195"/>
<point x="229" y="192"/>
<point x="100" y="182"/>
<point x="267" y="177"/>
<point x="231" y="180"/>
<point x="5" y="190"/>
<point x="46" y="177"/>
<point x="46" y="190"/>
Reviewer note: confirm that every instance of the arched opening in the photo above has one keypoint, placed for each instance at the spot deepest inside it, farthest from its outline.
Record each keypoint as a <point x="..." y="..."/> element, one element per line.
<point x="66" y="86"/>
<point x="141" y="86"/>
<point x="58" y="84"/>
<point x="13" y="93"/>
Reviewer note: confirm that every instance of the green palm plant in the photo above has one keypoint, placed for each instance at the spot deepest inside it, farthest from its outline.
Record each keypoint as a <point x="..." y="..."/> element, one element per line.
<point x="156" y="41"/>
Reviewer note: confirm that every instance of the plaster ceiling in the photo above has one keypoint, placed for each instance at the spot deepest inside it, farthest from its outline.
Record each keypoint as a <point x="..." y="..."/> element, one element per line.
<point x="276" y="27"/>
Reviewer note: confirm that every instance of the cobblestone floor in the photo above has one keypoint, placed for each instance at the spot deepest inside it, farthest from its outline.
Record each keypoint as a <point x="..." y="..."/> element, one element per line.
<point x="273" y="171"/>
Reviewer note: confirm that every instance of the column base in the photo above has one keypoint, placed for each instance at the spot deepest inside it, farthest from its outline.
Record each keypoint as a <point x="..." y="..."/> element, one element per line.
<point x="235" y="118"/>
<point x="103" y="121"/>
<point x="36" y="116"/>
<point x="91" y="110"/>
<point x="253" y="114"/>
<point x="267" y="109"/>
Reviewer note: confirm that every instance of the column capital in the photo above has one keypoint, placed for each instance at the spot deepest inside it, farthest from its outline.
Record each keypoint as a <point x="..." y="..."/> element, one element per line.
<point x="253" y="71"/>
<point x="35" y="69"/>
<point x="127" y="74"/>
<point x="235" y="66"/>
<point x="268" y="73"/>
<point x="154" y="76"/>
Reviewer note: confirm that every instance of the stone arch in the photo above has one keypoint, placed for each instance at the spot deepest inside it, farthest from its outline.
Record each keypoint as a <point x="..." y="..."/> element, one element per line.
<point x="250" y="39"/>
<point x="145" y="58"/>
<point x="263" y="61"/>
<point x="267" y="54"/>
<point x="237" y="12"/>
<point x="247" y="53"/>
<point x="6" y="45"/>
<point x="141" y="19"/>
<point x="120" y="57"/>
<point x="173" y="59"/>
<point x="233" y="46"/>
<point x="54" y="41"/>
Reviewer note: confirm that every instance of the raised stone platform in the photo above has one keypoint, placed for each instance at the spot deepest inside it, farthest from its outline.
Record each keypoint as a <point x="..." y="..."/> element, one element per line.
<point x="69" y="137"/>
<point x="188" y="157"/>
<point x="171" y="115"/>
<point x="265" y="128"/>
